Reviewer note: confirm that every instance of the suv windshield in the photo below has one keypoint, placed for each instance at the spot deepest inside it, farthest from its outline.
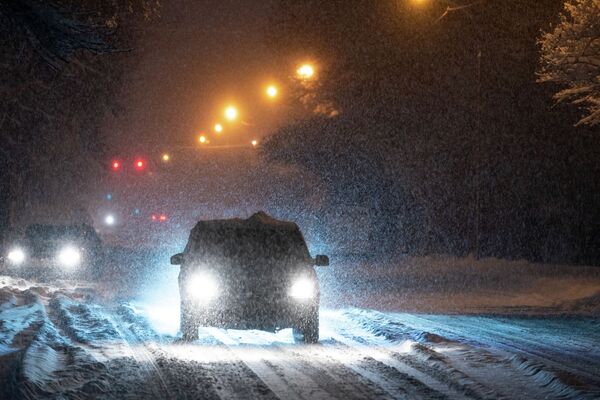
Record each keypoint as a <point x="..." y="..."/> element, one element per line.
<point x="255" y="246"/>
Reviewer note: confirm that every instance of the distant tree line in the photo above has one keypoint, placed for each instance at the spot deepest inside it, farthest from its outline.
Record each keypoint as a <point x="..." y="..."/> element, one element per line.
<point x="440" y="128"/>
<point x="61" y="64"/>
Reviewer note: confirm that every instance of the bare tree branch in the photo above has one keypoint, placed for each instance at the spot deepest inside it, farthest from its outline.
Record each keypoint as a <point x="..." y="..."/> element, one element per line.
<point x="564" y="60"/>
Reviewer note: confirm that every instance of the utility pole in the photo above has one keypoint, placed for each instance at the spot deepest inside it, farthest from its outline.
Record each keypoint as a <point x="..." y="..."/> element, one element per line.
<point x="477" y="156"/>
<point x="474" y="232"/>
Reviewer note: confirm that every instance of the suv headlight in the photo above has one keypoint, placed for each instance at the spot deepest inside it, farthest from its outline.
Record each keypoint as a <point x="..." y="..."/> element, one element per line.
<point x="69" y="256"/>
<point x="16" y="256"/>
<point x="302" y="288"/>
<point x="203" y="287"/>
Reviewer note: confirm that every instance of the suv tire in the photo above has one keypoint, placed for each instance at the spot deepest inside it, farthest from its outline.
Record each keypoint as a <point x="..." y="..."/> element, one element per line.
<point x="188" y="326"/>
<point x="307" y="330"/>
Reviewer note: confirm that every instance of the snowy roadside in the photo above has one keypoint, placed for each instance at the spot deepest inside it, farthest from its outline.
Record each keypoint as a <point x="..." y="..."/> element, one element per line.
<point x="64" y="340"/>
<point x="451" y="285"/>
<point x="118" y="338"/>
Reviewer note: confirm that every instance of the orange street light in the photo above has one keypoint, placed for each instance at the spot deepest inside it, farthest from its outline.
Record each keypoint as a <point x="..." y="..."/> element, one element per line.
<point x="166" y="157"/>
<point x="254" y="143"/>
<point x="272" y="91"/>
<point x="218" y="128"/>
<point x="202" y="139"/>
<point x="231" y="113"/>
<point x="305" y="71"/>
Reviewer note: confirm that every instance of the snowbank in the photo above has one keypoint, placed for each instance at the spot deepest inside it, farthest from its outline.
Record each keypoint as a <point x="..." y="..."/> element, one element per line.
<point x="463" y="285"/>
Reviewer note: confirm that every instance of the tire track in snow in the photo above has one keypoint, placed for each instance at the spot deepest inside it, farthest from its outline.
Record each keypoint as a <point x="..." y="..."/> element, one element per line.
<point x="141" y="354"/>
<point x="314" y="361"/>
<point x="205" y="377"/>
<point x="343" y="357"/>
<point x="475" y="363"/>
<point x="495" y="339"/>
<point x="386" y="357"/>
<point x="284" y="380"/>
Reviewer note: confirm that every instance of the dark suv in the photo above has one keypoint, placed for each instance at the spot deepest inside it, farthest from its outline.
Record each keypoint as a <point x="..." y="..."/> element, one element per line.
<point x="255" y="273"/>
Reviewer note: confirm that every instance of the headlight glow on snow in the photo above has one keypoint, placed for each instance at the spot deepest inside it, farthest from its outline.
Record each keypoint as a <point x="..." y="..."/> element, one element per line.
<point x="302" y="289"/>
<point x="203" y="287"/>
<point x="16" y="256"/>
<point x="69" y="256"/>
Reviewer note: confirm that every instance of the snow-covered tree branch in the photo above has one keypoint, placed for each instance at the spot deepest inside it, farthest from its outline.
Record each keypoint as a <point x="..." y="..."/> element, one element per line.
<point x="570" y="57"/>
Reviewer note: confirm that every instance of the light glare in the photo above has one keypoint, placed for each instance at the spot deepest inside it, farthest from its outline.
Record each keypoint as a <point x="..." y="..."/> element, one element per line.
<point x="306" y="71"/>
<point x="303" y="288"/>
<point x="16" y="256"/>
<point x="231" y="113"/>
<point x="69" y="256"/>
<point x="203" y="287"/>
<point x="272" y="91"/>
<point x="109" y="219"/>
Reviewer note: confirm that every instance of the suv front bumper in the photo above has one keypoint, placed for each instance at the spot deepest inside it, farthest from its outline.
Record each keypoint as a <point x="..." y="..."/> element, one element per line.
<point x="269" y="314"/>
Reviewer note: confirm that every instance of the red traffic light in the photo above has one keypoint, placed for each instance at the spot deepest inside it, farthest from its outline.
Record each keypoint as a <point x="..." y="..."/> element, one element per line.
<point x="116" y="165"/>
<point x="140" y="164"/>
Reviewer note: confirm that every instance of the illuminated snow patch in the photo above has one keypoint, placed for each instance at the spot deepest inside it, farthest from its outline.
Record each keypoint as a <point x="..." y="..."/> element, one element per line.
<point x="256" y="337"/>
<point x="158" y="301"/>
<point x="257" y="353"/>
<point x="163" y="318"/>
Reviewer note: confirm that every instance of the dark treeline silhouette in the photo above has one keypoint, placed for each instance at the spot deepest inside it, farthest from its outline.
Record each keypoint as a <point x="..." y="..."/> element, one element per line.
<point x="61" y="64"/>
<point x="443" y="132"/>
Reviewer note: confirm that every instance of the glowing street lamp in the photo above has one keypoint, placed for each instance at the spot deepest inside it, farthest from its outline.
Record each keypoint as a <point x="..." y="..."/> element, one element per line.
<point x="272" y="91"/>
<point x="202" y="139"/>
<point x="166" y="157"/>
<point x="231" y="113"/>
<point x="305" y="71"/>
<point x="218" y="128"/>
<point x="254" y="143"/>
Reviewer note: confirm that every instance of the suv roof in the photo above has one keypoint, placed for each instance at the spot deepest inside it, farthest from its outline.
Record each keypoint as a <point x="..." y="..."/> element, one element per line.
<point x="259" y="237"/>
<point x="53" y="232"/>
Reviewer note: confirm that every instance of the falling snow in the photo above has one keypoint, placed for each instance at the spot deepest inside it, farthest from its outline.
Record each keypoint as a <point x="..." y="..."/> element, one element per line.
<point x="299" y="199"/>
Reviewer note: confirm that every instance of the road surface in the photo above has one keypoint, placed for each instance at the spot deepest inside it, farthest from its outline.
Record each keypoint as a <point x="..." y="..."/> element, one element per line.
<point x="70" y="343"/>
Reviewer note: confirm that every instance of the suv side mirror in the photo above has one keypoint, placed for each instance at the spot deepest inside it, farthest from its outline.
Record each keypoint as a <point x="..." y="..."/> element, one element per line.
<point x="321" y="260"/>
<point x="177" y="259"/>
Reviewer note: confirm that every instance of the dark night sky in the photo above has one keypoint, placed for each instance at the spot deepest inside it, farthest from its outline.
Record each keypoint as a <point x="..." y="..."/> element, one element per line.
<point x="191" y="62"/>
<point x="197" y="57"/>
<point x="201" y="55"/>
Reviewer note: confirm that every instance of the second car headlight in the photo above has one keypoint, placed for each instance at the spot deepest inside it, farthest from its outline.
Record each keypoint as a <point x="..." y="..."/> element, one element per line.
<point x="303" y="288"/>
<point x="69" y="256"/>
<point x="16" y="256"/>
<point x="203" y="286"/>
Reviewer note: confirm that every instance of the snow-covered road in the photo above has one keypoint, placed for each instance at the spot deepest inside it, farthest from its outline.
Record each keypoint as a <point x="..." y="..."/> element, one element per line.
<point x="59" y="343"/>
